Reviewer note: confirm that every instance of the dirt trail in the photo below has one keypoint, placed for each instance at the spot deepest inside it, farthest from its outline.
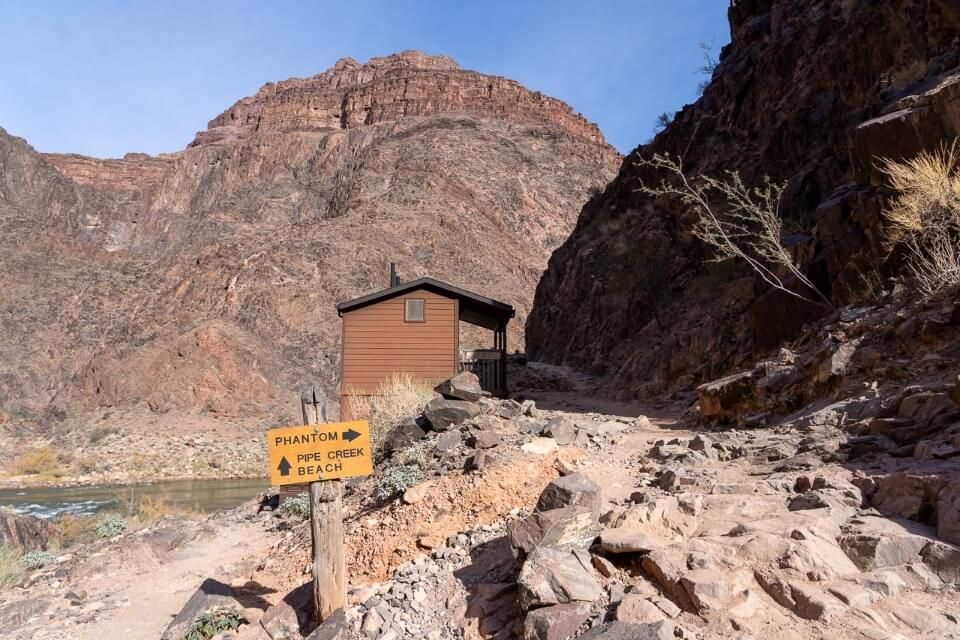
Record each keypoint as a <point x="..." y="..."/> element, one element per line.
<point x="134" y="596"/>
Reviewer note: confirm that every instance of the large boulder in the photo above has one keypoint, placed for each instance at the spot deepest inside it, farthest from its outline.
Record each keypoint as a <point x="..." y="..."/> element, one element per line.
<point x="626" y="540"/>
<point x="564" y="528"/>
<point x="444" y="413"/>
<point x="558" y="622"/>
<point x="210" y="595"/>
<point x="556" y="576"/>
<point x="727" y="397"/>
<point x="406" y="433"/>
<point x="463" y="386"/>
<point x="24" y="533"/>
<point x="575" y="489"/>
<point x="562" y="430"/>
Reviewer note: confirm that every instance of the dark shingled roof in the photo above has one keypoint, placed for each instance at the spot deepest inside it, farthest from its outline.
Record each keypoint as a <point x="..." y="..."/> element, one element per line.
<point x="474" y="308"/>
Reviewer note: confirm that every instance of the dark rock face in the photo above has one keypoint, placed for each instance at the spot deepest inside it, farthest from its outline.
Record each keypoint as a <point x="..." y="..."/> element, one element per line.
<point x="790" y="99"/>
<point x="24" y="533"/>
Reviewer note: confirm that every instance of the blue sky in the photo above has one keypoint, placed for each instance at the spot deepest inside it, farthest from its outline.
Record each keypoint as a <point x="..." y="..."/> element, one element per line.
<point x="104" y="78"/>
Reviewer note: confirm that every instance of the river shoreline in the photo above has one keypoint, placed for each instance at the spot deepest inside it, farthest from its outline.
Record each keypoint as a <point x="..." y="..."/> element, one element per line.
<point x="21" y="482"/>
<point x="201" y="495"/>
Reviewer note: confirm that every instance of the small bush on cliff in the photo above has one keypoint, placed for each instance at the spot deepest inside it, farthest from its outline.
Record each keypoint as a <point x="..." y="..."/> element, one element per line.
<point x="111" y="525"/>
<point x="737" y="222"/>
<point x="297" y="506"/>
<point x="395" y="399"/>
<point x="925" y="215"/>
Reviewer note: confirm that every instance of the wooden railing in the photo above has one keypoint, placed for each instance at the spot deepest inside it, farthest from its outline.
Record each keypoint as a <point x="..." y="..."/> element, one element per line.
<point x="485" y="364"/>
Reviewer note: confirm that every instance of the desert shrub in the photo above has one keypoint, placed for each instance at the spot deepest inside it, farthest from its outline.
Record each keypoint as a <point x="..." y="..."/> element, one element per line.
<point x="36" y="559"/>
<point x="11" y="571"/>
<point x="297" y="506"/>
<point x="110" y="525"/>
<point x="101" y="433"/>
<point x="925" y="215"/>
<point x="396" y="479"/>
<point x="398" y="398"/>
<point x="71" y="530"/>
<point x="212" y="623"/>
<point x="737" y="222"/>
<point x="39" y="461"/>
<point x="419" y="453"/>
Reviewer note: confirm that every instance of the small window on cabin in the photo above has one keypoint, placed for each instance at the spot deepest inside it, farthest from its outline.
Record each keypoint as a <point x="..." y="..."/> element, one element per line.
<point x="413" y="311"/>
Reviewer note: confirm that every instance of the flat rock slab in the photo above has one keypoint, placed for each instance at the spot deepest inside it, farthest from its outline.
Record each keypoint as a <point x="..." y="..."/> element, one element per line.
<point x="638" y="609"/>
<point x="662" y="630"/>
<point x="444" y="413"/>
<point x="626" y="540"/>
<point x="552" y="576"/>
<point x="558" y="622"/>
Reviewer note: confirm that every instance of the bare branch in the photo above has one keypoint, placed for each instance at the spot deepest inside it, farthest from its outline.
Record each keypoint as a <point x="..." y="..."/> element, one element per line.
<point x="749" y="228"/>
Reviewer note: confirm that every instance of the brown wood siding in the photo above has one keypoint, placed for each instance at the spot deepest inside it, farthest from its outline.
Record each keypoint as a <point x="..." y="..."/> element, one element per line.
<point x="377" y="342"/>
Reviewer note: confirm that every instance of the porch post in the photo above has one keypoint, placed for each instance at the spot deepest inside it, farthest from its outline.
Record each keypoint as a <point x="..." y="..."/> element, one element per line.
<point x="503" y="359"/>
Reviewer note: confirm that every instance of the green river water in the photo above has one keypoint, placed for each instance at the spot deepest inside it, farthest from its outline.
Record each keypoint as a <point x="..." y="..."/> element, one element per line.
<point x="204" y="495"/>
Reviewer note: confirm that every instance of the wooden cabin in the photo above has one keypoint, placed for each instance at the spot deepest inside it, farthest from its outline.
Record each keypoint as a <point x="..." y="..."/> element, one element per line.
<point x="414" y="328"/>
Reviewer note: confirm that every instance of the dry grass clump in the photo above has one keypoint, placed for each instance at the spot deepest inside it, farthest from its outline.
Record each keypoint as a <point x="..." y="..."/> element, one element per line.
<point x="149" y="510"/>
<point x="11" y="571"/>
<point x="925" y="215"/>
<point x="72" y="530"/>
<point x="400" y="397"/>
<point x="143" y="511"/>
<point x="43" y="461"/>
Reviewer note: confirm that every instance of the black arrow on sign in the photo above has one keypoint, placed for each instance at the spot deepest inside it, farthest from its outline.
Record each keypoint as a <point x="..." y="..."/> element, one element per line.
<point x="284" y="467"/>
<point x="350" y="435"/>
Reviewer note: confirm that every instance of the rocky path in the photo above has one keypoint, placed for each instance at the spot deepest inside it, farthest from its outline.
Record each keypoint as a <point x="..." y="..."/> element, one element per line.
<point x="547" y="524"/>
<point x="133" y="587"/>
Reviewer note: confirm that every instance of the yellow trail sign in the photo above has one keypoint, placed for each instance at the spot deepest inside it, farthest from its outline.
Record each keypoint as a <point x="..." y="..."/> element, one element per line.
<point x="319" y="452"/>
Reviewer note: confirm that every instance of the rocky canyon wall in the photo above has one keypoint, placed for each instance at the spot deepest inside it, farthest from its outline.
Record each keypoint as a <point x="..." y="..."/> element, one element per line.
<point x="809" y="93"/>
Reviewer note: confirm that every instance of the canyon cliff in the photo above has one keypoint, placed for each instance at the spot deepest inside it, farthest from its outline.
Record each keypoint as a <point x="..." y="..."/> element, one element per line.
<point x="206" y="279"/>
<point x="807" y="93"/>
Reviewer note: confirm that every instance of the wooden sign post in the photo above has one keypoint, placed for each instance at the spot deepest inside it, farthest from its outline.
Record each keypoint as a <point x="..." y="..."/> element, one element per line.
<point x="322" y="453"/>
<point x="326" y="524"/>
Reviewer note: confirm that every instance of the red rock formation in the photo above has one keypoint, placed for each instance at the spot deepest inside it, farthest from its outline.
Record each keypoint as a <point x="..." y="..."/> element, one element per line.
<point x="387" y="89"/>
<point x="206" y="279"/>
<point x="134" y="172"/>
